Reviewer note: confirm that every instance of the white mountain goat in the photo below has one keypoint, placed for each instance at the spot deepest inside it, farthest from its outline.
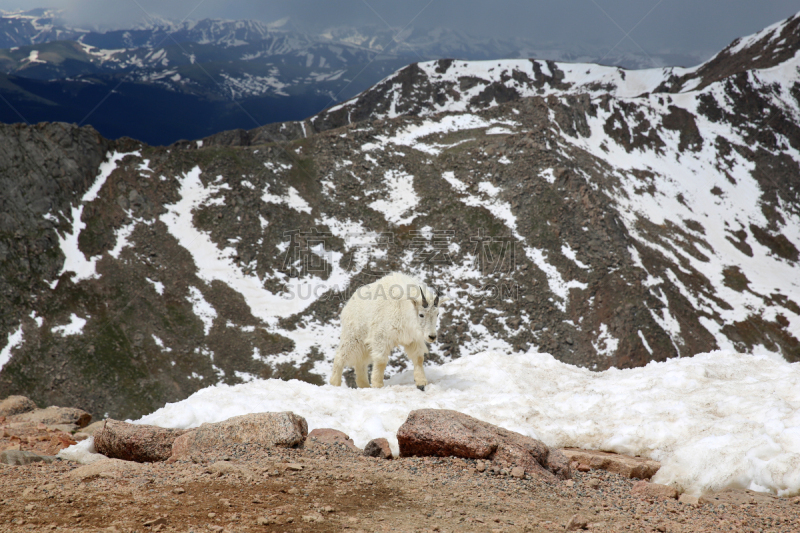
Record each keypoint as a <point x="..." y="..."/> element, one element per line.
<point x="393" y="311"/>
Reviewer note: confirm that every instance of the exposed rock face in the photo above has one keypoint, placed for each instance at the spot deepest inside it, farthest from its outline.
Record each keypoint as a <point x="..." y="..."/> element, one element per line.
<point x="632" y="467"/>
<point x="15" y="405"/>
<point x="378" y="448"/>
<point x="443" y="433"/>
<point x="56" y="416"/>
<point x="646" y="490"/>
<point x="269" y="429"/>
<point x="134" y="442"/>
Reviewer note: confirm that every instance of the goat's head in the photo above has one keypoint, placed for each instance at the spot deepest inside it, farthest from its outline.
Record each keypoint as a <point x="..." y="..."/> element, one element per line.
<point x="427" y="311"/>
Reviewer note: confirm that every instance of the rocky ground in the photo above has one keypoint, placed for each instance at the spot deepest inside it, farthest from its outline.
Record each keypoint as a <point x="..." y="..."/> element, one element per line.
<point x="333" y="486"/>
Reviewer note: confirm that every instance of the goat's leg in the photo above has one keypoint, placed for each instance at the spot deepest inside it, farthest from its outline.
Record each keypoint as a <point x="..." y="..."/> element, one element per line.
<point x="378" y="368"/>
<point x="379" y="351"/>
<point x="362" y="379"/>
<point x="416" y="352"/>
<point x="338" y="367"/>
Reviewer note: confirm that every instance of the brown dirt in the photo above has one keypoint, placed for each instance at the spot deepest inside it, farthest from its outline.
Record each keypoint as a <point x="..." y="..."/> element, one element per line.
<point x="337" y="489"/>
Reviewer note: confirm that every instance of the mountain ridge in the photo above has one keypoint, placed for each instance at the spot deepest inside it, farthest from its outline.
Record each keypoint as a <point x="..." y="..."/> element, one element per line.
<point x="579" y="210"/>
<point x="244" y="70"/>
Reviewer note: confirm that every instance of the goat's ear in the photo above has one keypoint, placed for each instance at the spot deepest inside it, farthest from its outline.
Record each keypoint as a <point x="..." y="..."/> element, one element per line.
<point x="443" y="299"/>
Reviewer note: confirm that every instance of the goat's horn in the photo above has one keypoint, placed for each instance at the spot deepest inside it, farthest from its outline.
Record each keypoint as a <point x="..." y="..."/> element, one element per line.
<point x="424" y="301"/>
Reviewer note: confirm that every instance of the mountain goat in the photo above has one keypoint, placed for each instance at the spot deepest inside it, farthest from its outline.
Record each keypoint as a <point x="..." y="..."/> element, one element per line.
<point x="393" y="311"/>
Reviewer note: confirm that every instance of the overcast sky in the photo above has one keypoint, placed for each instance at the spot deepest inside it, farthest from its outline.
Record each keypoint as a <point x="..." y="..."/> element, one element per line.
<point x="703" y="26"/>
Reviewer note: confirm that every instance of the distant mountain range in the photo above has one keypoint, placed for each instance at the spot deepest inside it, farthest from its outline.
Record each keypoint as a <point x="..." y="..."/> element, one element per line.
<point x="163" y="81"/>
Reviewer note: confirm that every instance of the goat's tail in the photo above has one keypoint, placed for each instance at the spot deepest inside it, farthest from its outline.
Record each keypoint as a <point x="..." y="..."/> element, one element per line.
<point x="338" y="368"/>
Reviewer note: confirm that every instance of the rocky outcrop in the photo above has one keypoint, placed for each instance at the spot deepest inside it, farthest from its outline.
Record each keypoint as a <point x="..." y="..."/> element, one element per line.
<point x="284" y="429"/>
<point x="443" y="433"/>
<point x="135" y="442"/>
<point x="625" y="465"/>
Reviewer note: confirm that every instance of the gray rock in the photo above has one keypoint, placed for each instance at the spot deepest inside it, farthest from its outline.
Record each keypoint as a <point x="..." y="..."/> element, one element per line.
<point x="21" y="457"/>
<point x="15" y="405"/>
<point x="135" y="442"/>
<point x="378" y="448"/>
<point x="284" y="429"/>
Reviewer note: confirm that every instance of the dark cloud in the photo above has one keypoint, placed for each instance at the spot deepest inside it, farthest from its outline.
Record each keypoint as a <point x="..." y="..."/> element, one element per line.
<point x="652" y="25"/>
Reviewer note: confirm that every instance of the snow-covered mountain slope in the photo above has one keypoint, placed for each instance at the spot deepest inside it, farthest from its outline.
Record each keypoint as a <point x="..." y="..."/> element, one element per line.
<point x="604" y="216"/>
<point x="21" y="28"/>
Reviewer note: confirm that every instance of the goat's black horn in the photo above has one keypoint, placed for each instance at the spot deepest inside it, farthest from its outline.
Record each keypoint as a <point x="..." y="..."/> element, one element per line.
<point x="424" y="301"/>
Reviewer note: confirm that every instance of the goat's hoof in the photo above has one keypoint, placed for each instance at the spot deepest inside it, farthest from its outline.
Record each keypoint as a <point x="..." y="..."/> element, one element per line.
<point x="421" y="387"/>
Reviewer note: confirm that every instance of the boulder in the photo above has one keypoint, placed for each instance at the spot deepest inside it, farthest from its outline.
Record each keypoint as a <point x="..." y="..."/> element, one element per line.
<point x="378" y="448"/>
<point x="442" y="433"/>
<point x="328" y="436"/>
<point x="284" y="429"/>
<point x="54" y="416"/>
<point x="21" y="457"/>
<point x="559" y="464"/>
<point x="15" y="405"/>
<point x="653" y="491"/>
<point x="107" y="468"/>
<point x="625" y="465"/>
<point x="134" y="442"/>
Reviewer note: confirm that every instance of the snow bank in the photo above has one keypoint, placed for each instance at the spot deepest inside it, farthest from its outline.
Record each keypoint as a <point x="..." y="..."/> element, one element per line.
<point x="715" y="421"/>
<point x="84" y="452"/>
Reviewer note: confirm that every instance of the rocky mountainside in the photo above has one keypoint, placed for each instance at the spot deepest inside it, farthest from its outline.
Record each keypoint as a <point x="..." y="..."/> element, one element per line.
<point x="162" y="81"/>
<point x="609" y="217"/>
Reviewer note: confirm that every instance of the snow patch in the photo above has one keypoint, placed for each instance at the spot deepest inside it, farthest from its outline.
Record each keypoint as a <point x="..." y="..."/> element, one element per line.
<point x="74" y="260"/>
<point x="14" y="340"/>
<point x="75" y="326"/>
<point x="204" y="310"/>
<point x="715" y="421"/>
<point x="401" y="199"/>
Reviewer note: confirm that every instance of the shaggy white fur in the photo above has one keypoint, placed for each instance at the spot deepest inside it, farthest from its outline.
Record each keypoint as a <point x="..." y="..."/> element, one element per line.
<point x="396" y="310"/>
